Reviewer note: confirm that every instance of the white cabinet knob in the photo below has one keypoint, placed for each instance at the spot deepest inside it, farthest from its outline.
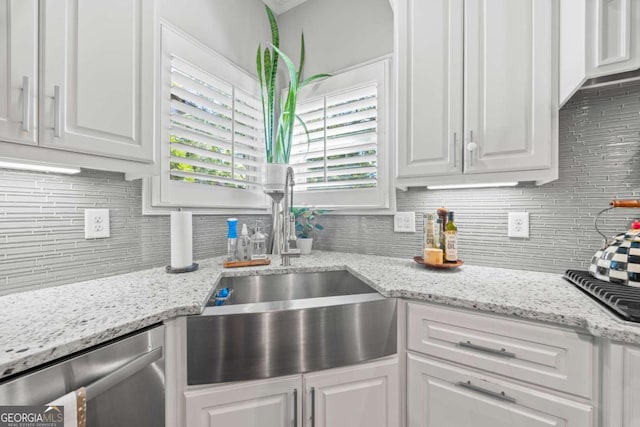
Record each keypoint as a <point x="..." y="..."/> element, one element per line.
<point x="472" y="146"/>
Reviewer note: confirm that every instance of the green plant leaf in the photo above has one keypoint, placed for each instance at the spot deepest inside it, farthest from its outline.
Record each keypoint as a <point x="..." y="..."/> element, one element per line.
<point x="267" y="67"/>
<point x="267" y="140"/>
<point x="284" y="135"/>
<point x="313" y="78"/>
<point x="275" y="41"/>
<point x="273" y="23"/>
<point x="267" y="73"/>
<point x="301" y="65"/>
<point x="293" y="74"/>
<point x="319" y="227"/>
<point x="306" y="132"/>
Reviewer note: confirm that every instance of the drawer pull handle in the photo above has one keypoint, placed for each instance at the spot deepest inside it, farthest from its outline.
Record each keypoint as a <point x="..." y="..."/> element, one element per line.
<point x="26" y="103"/>
<point x="57" y="106"/>
<point x="502" y="352"/>
<point x="313" y="407"/>
<point x="295" y="407"/>
<point x="455" y="150"/>
<point x="500" y="396"/>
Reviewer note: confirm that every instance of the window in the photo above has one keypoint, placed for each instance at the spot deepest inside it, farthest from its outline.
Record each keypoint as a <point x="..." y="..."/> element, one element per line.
<point x="211" y="130"/>
<point x="345" y="162"/>
<point x="214" y="131"/>
<point x="211" y="146"/>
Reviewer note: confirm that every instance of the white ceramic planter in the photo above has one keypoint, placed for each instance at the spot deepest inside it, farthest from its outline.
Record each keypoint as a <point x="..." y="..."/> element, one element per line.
<point x="304" y="244"/>
<point x="275" y="175"/>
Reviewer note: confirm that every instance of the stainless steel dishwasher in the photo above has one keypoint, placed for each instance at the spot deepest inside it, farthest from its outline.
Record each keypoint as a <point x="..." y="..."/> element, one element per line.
<point x="124" y="380"/>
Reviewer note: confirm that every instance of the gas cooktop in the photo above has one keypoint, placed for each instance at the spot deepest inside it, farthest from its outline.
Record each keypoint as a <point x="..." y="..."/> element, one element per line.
<point x="621" y="299"/>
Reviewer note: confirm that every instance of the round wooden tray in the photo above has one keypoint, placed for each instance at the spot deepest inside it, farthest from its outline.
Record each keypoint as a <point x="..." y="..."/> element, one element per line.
<point x="445" y="266"/>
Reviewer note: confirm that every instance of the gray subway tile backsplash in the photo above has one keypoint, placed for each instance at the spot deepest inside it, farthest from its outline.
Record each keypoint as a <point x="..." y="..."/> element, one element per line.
<point x="42" y="216"/>
<point x="42" y="230"/>
<point x="599" y="161"/>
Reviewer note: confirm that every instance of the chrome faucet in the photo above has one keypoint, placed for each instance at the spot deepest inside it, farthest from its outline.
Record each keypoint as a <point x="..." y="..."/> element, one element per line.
<point x="288" y="225"/>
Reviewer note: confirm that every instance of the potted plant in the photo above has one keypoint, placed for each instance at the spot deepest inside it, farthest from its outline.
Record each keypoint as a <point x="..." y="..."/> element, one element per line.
<point x="306" y="227"/>
<point x="278" y="130"/>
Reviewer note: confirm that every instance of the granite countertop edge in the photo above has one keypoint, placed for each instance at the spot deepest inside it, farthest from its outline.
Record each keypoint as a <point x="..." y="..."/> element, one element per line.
<point x="96" y="311"/>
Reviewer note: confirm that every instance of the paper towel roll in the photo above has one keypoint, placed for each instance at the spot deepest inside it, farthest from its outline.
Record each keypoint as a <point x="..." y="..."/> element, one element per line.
<point x="181" y="240"/>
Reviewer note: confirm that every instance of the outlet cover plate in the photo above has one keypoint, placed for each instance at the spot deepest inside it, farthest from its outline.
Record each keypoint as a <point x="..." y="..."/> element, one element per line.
<point x="96" y="223"/>
<point x="518" y="224"/>
<point x="404" y="222"/>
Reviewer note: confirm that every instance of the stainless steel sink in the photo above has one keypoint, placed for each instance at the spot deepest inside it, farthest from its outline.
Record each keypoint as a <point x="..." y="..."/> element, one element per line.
<point x="285" y="324"/>
<point x="287" y="287"/>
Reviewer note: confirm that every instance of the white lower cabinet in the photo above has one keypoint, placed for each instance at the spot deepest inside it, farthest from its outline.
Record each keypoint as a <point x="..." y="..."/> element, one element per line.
<point x="554" y="358"/>
<point x="621" y="388"/>
<point x="363" y="395"/>
<point x="443" y="395"/>
<point x="359" y="396"/>
<point x="270" y="403"/>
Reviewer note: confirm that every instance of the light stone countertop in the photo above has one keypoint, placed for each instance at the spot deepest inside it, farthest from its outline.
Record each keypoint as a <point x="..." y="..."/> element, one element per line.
<point x="43" y="325"/>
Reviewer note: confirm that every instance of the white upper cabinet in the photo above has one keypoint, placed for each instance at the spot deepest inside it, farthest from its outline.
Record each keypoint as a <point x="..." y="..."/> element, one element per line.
<point x="477" y="91"/>
<point x="97" y="77"/>
<point x="18" y="70"/>
<point x="509" y="85"/>
<point x="613" y="36"/>
<point x="598" y="37"/>
<point x="430" y="63"/>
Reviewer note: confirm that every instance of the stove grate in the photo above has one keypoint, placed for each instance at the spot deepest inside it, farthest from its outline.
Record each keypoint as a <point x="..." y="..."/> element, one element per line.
<point x="622" y="300"/>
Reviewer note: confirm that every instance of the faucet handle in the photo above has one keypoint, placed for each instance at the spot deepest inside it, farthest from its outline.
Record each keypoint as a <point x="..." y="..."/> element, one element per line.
<point x="291" y="253"/>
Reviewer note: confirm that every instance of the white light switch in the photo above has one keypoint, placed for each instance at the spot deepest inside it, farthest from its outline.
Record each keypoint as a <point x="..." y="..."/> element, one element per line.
<point x="518" y="224"/>
<point x="96" y="223"/>
<point x="404" y="222"/>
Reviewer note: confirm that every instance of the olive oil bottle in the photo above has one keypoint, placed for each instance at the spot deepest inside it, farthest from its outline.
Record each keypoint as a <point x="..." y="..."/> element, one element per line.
<point x="451" y="240"/>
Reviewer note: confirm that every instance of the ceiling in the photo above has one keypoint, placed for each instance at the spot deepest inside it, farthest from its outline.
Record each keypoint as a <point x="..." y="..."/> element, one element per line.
<point x="281" y="6"/>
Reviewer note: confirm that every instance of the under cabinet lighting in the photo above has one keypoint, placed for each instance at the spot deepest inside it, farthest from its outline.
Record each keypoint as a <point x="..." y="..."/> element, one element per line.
<point x="458" y="186"/>
<point x="38" y="168"/>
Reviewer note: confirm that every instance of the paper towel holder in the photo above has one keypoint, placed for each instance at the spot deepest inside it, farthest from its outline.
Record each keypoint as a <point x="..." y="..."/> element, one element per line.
<point x="189" y="269"/>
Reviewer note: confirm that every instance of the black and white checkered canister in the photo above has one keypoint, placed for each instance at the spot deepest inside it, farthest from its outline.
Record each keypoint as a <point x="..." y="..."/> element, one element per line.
<point x="620" y="261"/>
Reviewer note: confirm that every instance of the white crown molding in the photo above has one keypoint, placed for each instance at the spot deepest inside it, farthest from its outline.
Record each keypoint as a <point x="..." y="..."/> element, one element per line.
<point x="281" y="6"/>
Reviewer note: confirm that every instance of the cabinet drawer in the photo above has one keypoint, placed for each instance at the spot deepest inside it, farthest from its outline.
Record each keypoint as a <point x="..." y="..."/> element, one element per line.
<point x="546" y="356"/>
<point x="442" y="395"/>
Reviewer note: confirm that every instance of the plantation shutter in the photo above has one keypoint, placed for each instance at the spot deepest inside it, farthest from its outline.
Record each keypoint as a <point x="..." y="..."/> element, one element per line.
<point x="347" y="164"/>
<point x="343" y="130"/>
<point x="215" y="130"/>
<point x="210" y="130"/>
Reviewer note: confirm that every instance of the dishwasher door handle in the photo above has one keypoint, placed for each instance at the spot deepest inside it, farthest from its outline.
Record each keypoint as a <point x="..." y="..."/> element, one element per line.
<point x="125" y="371"/>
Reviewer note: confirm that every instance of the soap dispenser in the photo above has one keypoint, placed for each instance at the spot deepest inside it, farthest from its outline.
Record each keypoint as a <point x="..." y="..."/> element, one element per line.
<point x="244" y="245"/>
<point x="232" y="239"/>
<point x="258" y="243"/>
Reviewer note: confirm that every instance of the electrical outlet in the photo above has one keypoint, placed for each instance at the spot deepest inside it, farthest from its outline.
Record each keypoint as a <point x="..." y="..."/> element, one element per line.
<point x="404" y="222"/>
<point x="518" y="224"/>
<point x="96" y="223"/>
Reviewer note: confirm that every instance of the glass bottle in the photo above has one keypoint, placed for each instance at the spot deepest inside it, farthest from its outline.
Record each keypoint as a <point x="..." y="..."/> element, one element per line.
<point x="244" y="245"/>
<point x="429" y="231"/>
<point x="258" y="247"/>
<point x="438" y="235"/>
<point x="451" y="240"/>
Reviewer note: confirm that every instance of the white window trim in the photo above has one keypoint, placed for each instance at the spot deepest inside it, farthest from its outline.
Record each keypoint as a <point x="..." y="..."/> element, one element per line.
<point x="154" y="202"/>
<point x="386" y="142"/>
<point x="160" y="196"/>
